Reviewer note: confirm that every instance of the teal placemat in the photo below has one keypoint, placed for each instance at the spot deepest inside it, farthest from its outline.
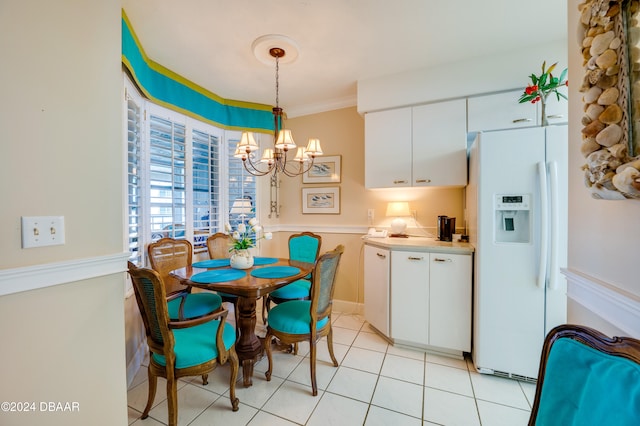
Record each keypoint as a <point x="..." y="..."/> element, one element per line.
<point x="218" y="276"/>
<point x="212" y="263"/>
<point x="257" y="261"/>
<point x="275" y="272"/>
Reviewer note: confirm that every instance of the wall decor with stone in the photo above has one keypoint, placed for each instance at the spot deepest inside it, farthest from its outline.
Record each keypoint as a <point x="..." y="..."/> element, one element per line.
<point x="611" y="122"/>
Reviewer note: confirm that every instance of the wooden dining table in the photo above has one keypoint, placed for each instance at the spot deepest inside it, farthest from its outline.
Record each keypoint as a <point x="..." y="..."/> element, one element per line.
<point x="266" y="275"/>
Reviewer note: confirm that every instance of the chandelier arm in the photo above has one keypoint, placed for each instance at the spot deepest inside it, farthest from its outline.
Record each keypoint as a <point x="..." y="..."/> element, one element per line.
<point x="254" y="170"/>
<point x="300" y="171"/>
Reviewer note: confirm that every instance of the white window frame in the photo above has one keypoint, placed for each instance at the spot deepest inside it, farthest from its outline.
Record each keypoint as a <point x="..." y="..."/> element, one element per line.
<point x="148" y="109"/>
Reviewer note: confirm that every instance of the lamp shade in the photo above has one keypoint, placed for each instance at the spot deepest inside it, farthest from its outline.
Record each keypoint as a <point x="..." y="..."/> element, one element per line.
<point x="247" y="143"/>
<point x="241" y="206"/>
<point x="285" y="140"/>
<point x="301" y="155"/>
<point x="398" y="209"/>
<point x="313" y="147"/>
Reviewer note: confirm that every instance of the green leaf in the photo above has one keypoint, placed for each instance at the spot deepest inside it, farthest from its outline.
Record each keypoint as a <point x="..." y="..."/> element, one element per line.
<point x="563" y="75"/>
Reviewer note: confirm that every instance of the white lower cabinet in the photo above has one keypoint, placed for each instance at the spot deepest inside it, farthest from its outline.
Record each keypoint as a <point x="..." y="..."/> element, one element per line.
<point x="431" y="300"/>
<point x="450" y="301"/>
<point x="376" y="288"/>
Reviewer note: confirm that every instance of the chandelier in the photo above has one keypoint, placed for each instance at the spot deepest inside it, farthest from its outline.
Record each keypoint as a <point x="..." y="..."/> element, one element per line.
<point x="274" y="160"/>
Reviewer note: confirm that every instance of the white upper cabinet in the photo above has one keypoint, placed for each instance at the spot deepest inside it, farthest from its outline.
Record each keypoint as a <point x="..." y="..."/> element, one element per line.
<point x="557" y="111"/>
<point x="387" y="152"/>
<point x="500" y="111"/>
<point x="416" y="146"/>
<point x="440" y="144"/>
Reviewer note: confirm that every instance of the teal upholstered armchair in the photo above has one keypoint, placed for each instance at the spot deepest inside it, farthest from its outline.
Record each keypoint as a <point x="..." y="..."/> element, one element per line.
<point x="182" y="348"/>
<point x="587" y="378"/>
<point x="303" y="247"/>
<point x="308" y="320"/>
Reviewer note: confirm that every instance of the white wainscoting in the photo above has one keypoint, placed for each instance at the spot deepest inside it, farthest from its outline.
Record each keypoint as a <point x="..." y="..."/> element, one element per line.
<point x="50" y="274"/>
<point x="619" y="309"/>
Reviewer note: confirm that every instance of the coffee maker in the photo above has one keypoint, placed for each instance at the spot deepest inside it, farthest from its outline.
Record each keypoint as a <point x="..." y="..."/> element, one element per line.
<point x="446" y="228"/>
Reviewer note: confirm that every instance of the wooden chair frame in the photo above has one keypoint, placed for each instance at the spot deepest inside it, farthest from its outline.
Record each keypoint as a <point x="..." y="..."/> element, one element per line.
<point x="316" y="315"/>
<point x="266" y="301"/>
<point x="218" y="247"/>
<point x="624" y="347"/>
<point x="157" y="307"/>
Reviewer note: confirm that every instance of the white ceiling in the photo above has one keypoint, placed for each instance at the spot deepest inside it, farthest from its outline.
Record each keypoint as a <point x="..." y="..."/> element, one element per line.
<point x="340" y="41"/>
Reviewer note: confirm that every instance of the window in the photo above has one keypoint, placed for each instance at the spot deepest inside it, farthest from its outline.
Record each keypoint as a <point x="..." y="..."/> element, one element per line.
<point x="182" y="177"/>
<point x="134" y="160"/>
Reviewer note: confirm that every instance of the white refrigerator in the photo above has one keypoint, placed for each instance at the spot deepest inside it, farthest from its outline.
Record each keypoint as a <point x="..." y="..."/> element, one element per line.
<point x="517" y="221"/>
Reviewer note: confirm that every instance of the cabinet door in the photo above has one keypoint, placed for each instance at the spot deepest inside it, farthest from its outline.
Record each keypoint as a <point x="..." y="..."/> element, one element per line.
<point x="440" y="144"/>
<point x="376" y="288"/>
<point x="387" y="148"/>
<point x="557" y="110"/>
<point x="410" y="297"/>
<point x="500" y="111"/>
<point x="450" y="301"/>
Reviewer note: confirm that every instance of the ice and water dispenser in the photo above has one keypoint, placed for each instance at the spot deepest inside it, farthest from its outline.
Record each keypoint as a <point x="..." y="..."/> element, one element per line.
<point x="512" y="218"/>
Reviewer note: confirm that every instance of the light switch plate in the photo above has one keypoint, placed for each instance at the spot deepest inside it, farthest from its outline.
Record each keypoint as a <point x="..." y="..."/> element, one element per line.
<point x="39" y="231"/>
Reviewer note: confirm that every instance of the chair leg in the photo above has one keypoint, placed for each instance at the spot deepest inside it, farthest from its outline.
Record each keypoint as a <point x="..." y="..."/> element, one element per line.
<point x="330" y="346"/>
<point x="267" y="347"/>
<point x="266" y="304"/>
<point x="153" y="386"/>
<point x="233" y="358"/>
<point x="172" y="400"/>
<point x="312" y="360"/>
<point x="236" y="314"/>
<point x="205" y="379"/>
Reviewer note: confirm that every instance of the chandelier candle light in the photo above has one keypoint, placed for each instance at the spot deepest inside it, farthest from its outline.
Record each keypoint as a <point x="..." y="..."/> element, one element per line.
<point x="275" y="159"/>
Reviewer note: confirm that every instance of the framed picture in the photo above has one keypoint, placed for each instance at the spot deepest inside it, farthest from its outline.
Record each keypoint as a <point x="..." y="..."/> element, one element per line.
<point x="321" y="200"/>
<point x="325" y="169"/>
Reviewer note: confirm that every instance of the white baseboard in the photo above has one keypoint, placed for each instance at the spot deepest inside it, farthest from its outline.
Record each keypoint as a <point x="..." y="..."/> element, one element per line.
<point x="619" y="309"/>
<point x="345" y="307"/>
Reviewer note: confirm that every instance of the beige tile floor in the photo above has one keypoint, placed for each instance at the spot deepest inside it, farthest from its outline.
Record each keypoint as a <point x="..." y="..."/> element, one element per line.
<point x="375" y="384"/>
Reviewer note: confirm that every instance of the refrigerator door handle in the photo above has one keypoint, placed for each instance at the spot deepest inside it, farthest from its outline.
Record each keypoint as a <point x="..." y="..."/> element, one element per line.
<point x="555" y="220"/>
<point x="544" y="224"/>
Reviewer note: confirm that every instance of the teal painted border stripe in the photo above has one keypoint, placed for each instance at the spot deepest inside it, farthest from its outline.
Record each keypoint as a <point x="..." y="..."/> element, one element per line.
<point x="177" y="93"/>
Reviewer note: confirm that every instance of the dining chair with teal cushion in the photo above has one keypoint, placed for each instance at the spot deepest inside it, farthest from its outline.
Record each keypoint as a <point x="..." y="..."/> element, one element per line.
<point x="307" y="320"/>
<point x="303" y="247"/>
<point x="218" y="246"/>
<point x="181" y="348"/>
<point x="166" y="255"/>
<point x="587" y="378"/>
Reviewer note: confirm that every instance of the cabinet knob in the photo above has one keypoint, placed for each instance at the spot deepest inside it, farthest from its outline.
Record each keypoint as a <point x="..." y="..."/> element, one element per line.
<point x="381" y="256"/>
<point x="415" y="258"/>
<point x="522" y="120"/>
<point x="437" y="259"/>
<point x="399" y="181"/>
<point x="423" y="180"/>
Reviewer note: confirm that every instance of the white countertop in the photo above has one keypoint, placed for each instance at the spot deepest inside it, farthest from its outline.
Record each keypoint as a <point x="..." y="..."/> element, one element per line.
<point x="420" y="244"/>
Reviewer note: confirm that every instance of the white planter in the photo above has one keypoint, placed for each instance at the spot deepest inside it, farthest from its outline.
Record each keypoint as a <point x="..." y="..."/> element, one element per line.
<point x="241" y="259"/>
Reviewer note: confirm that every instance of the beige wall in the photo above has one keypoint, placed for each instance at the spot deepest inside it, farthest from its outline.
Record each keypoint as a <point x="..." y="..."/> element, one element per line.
<point x="61" y="154"/>
<point x="341" y="132"/>
<point x="603" y="235"/>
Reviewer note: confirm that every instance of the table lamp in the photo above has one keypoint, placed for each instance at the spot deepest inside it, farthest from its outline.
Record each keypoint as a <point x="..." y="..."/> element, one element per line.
<point x="398" y="210"/>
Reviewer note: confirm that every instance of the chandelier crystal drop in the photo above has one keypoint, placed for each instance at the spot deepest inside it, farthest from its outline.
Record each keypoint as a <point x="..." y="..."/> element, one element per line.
<point x="274" y="160"/>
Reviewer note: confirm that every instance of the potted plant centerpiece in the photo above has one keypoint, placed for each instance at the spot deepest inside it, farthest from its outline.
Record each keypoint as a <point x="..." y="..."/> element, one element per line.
<point x="243" y="238"/>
